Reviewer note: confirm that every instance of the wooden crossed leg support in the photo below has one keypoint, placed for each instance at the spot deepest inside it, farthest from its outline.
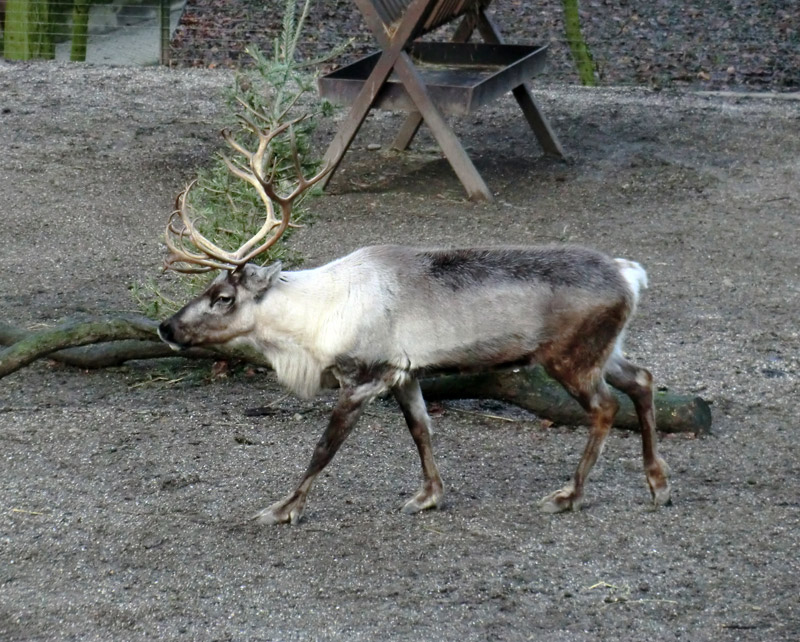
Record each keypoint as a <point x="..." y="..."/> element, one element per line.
<point x="395" y="58"/>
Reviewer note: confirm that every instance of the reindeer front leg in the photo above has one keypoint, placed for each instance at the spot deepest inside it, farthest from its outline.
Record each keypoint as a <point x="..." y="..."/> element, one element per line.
<point x="343" y="419"/>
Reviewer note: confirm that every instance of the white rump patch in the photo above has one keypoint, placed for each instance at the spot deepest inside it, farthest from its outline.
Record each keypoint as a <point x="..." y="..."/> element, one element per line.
<point x="636" y="278"/>
<point x="634" y="274"/>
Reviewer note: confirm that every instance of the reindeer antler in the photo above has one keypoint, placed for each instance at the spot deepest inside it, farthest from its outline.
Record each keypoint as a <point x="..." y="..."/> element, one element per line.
<point x="205" y="255"/>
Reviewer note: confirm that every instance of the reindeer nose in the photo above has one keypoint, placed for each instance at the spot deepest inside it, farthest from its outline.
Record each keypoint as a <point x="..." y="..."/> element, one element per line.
<point x="166" y="333"/>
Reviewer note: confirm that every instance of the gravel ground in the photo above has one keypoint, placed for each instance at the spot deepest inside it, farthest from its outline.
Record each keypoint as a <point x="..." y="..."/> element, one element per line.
<point x="126" y="492"/>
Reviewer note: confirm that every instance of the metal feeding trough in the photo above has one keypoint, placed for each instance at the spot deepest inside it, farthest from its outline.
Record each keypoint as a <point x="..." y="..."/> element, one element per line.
<point x="459" y="77"/>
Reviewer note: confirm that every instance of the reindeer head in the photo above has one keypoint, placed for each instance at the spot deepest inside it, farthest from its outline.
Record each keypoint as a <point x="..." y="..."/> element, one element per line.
<point x="226" y="309"/>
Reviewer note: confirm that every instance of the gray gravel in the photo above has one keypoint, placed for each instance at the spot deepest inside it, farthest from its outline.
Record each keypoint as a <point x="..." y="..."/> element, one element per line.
<point x="126" y="492"/>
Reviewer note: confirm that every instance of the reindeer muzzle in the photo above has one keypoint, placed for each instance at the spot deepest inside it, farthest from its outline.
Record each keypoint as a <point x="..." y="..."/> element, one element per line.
<point x="166" y="334"/>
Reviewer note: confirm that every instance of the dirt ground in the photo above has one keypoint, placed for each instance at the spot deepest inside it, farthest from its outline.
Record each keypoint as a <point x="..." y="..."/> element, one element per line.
<point x="126" y="492"/>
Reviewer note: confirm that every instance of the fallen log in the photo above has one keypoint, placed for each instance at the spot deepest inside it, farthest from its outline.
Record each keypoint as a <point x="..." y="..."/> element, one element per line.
<point x="106" y="353"/>
<point x="531" y="388"/>
<point x="112" y="341"/>
<point x="72" y="334"/>
<point x="123" y="338"/>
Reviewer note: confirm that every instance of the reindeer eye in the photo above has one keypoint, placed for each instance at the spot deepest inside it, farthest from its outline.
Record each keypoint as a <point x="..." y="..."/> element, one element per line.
<point x="223" y="299"/>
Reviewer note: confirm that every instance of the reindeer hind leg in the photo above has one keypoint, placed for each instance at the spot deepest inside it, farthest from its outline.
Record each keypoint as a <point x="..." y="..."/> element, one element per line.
<point x="637" y="383"/>
<point x="591" y="392"/>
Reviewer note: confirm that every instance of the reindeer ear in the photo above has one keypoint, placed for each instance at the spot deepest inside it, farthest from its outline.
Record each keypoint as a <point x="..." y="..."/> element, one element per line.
<point x="259" y="279"/>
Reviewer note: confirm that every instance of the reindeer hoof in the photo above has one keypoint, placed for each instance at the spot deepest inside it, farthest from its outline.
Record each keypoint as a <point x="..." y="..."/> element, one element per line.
<point x="658" y="482"/>
<point x="427" y="497"/>
<point x="561" y="500"/>
<point x="661" y="494"/>
<point x="287" y="511"/>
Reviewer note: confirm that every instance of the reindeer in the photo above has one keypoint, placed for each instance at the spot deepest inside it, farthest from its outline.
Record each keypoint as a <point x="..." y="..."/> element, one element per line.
<point x="380" y="318"/>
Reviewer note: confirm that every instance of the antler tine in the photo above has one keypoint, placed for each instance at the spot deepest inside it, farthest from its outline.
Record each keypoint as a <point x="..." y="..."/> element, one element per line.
<point x="199" y="240"/>
<point x="257" y="161"/>
<point x="303" y="182"/>
<point x="263" y="117"/>
<point x="179" y="254"/>
<point x="210" y="257"/>
<point x="245" y="253"/>
<point x="264" y="137"/>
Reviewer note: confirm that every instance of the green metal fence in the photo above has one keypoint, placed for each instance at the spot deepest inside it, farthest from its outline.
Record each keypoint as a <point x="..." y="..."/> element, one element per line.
<point x="100" y="31"/>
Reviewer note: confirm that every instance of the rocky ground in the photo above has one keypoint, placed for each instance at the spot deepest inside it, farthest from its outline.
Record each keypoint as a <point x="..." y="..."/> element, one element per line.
<point x="126" y="492"/>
